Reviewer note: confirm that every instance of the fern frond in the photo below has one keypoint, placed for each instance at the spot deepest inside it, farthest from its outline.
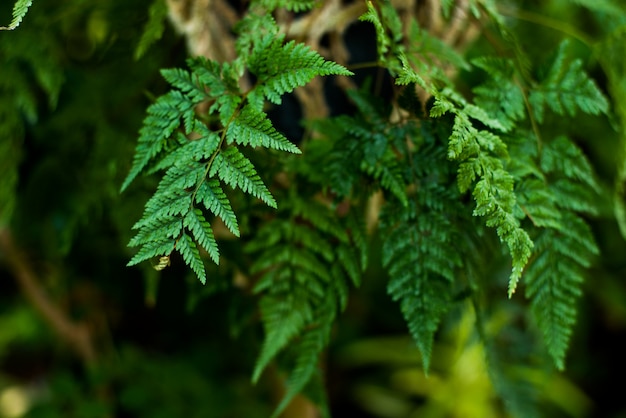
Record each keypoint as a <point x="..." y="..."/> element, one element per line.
<point x="418" y="253"/>
<point x="305" y="261"/>
<point x="153" y="248"/>
<point x="213" y="198"/>
<point x="500" y="96"/>
<point x="254" y="26"/>
<point x="201" y="230"/>
<point x="317" y="214"/>
<point x="171" y="215"/>
<point x="554" y="278"/>
<point x="537" y="202"/>
<point x="164" y="117"/>
<point x="429" y="55"/>
<point x="234" y="169"/>
<point x="20" y="8"/>
<point x="220" y="83"/>
<point x="283" y="318"/>
<point x="183" y="80"/>
<point x="551" y="194"/>
<point x="189" y="251"/>
<point x="282" y="68"/>
<point x="253" y="128"/>
<point x="307" y="349"/>
<point x="383" y="43"/>
<point x="562" y="157"/>
<point x="566" y="88"/>
<point x="481" y="153"/>
<point x="390" y="176"/>
<point x="291" y="5"/>
<point x="153" y="31"/>
<point x="389" y="34"/>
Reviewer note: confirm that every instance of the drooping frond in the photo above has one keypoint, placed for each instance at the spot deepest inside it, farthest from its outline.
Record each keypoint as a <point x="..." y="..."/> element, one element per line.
<point x="420" y="254"/>
<point x="307" y="354"/>
<point x="481" y="155"/>
<point x="563" y="185"/>
<point x="305" y="262"/>
<point x="554" y="278"/>
<point x="20" y="8"/>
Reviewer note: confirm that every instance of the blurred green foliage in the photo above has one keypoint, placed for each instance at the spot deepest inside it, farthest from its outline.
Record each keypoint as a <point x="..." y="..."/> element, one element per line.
<point x="72" y="98"/>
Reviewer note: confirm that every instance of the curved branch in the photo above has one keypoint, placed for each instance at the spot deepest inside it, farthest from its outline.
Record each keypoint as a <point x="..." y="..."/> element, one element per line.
<point x="77" y="335"/>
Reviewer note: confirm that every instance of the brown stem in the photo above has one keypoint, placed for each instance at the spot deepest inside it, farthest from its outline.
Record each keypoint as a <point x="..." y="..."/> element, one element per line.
<point x="77" y="335"/>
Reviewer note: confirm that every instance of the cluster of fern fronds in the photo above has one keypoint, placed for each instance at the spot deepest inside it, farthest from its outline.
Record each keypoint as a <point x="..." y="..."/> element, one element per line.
<point x="434" y="172"/>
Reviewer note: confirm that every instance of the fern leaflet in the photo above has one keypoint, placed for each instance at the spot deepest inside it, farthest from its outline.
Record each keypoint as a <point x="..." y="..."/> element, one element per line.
<point x="281" y="68"/>
<point x="154" y="27"/>
<point x="566" y="88"/>
<point x="20" y="8"/>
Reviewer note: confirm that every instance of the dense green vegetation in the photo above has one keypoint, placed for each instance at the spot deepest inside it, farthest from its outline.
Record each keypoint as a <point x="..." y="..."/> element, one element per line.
<point x="308" y="208"/>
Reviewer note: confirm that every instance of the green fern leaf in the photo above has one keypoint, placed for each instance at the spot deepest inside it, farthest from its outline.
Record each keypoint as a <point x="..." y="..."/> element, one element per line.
<point x="561" y="184"/>
<point x="254" y="26"/>
<point x="388" y="26"/>
<point x="234" y="169"/>
<point x="481" y="154"/>
<point x="500" y="96"/>
<point x="291" y="5"/>
<point x="213" y="198"/>
<point x="194" y="221"/>
<point x="284" y="318"/>
<point x="195" y="150"/>
<point x="189" y="251"/>
<point x="554" y="278"/>
<point x="156" y="228"/>
<point x="566" y="88"/>
<point x="304" y="281"/>
<point x="317" y="214"/>
<point x="281" y="68"/>
<point x="219" y="81"/>
<point x="307" y="350"/>
<point x="154" y="28"/>
<point x="164" y="117"/>
<point x="20" y="8"/>
<point x="420" y="255"/>
<point x="383" y="43"/>
<point x="537" y="202"/>
<point x="389" y="174"/>
<point x="253" y="128"/>
<point x="183" y="80"/>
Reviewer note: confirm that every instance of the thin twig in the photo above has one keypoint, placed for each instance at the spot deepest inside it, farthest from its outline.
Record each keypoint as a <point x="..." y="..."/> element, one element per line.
<point x="77" y="335"/>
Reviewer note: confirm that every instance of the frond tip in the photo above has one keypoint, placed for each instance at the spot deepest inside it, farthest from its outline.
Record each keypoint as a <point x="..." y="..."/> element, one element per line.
<point x="20" y="8"/>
